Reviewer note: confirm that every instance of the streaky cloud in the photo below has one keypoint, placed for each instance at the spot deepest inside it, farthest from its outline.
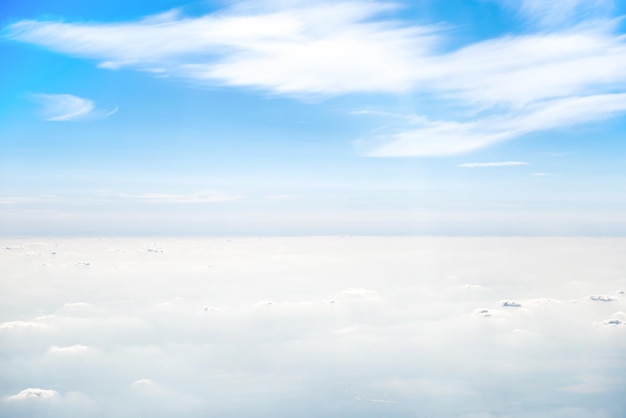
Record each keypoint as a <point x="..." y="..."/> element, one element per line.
<point x="510" y="86"/>
<point x="441" y="138"/>
<point x="199" y="197"/>
<point x="67" y="107"/>
<point x="494" y="164"/>
<point x="557" y="13"/>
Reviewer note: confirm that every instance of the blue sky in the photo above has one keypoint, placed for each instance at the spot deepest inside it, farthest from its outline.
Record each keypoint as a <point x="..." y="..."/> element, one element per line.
<point x="312" y="117"/>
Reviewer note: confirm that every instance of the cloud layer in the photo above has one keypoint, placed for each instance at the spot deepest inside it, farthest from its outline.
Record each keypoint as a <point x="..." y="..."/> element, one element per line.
<point x="339" y="327"/>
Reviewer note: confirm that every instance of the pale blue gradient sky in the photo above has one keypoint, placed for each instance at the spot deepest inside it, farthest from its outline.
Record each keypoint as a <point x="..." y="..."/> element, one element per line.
<point x="309" y="117"/>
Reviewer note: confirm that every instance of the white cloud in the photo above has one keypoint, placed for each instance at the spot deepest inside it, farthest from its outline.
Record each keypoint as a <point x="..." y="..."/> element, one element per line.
<point x="336" y="48"/>
<point x="493" y="164"/>
<point x="198" y="197"/>
<point x="510" y="304"/>
<point x="618" y="319"/>
<point x="601" y="298"/>
<point x="382" y="401"/>
<point x="545" y="301"/>
<point x="513" y="85"/>
<point x="21" y="324"/>
<point x="66" y="107"/>
<point x="301" y="49"/>
<point x="437" y="138"/>
<point x="72" y="349"/>
<point x="555" y="13"/>
<point x="483" y="312"/>
<point x="34" y="393"/>
<point x="395" y="331"/>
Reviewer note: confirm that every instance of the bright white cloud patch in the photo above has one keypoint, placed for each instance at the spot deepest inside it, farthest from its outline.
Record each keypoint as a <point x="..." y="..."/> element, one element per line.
<point x="34" y="394"/>
<point x="66" y="107"/>
<point x="72" y="349"/>
<point x="302" y="49"/>
<point x="20" y="324"/>
<point x="513" y="85"/>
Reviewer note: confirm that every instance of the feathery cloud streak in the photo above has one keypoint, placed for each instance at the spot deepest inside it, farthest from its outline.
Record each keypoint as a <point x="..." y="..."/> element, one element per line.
<point x="555" y="13"/>
<point x="199" y="197"/>
<point x="439" y="138"/>
<point x="494" y="164"/>
<point x="309" y="49"/>
<point x="67" y="107"/>
<point x="338" y="48"/>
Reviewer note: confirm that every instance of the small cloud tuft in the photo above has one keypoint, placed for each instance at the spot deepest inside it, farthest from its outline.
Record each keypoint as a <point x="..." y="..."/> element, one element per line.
<point x="601" y="298"/>
<point x="483" y="312"/>
<point x="34" y="393"/>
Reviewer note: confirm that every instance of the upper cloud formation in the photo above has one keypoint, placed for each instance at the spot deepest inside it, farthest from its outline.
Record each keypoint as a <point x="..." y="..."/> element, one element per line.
<point x="510" y="86"/>
<point x="66" y="107"/>
<point x="324" y="48"/>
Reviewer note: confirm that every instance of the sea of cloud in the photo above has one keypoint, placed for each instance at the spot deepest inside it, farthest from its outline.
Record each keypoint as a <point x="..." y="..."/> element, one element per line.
<point x="311" y="327"/>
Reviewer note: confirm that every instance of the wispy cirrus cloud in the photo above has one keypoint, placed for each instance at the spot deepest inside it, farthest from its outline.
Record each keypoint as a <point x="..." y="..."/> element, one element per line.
<point x="198" y="197"/>
<point x="439" y="138"/>
<point x="494" y="164"/>
<point x="305" y="48"/>
<point x="67" y="107"/>
<point x="553" y="13"/>
<point x="510" y="86"/>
